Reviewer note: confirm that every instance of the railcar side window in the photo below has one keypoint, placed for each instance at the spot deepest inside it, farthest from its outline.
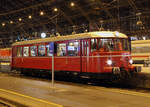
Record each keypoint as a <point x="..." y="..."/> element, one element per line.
<point x="25" y="51"/>
<point x="19" y="51"/>
<point x="61" y="49"/>
<point x="33" y="50"/>
<point x="87" y="48"/>
<point x="50" y="49"/>
<point x="93" y="44"/>
<point x="41" y="50"/>
<point x="73" y="48"/>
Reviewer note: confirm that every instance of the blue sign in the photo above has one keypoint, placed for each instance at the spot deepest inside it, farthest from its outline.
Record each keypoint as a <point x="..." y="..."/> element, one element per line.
<point x="51" y="48"/>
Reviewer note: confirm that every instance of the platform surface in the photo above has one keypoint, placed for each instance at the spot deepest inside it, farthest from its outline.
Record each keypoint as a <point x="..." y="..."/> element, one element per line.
<point x="69" y="94"/>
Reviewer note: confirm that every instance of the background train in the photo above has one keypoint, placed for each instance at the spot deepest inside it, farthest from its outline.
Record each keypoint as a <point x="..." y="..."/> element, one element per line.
<point x="5" y="54"/>
<point x="141" y="52"/>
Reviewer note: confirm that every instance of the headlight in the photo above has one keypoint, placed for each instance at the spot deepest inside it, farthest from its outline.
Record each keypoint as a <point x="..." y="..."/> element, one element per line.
<point x="131" y="61"/>
<point x="109" y="62"/>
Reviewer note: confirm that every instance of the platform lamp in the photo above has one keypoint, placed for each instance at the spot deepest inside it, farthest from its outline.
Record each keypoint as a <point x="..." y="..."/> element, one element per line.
<point x="101" y="25"/>
<point x="139" y="22"/>
<point x="74" y="29"/>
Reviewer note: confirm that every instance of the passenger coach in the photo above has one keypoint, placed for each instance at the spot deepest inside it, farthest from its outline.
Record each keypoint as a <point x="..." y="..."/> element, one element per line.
<point x="93" y="54"/>
<point x="141" y="52"/>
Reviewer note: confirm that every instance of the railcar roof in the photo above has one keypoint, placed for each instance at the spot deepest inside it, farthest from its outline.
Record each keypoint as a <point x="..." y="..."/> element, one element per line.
<point x="98" y="34"/>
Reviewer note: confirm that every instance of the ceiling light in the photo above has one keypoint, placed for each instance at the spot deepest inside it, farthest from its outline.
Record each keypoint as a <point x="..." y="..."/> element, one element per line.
<point x="3" y="24"/>
<point x="43" y="35"/>
<point x="55" y="9"/>
<point x="20" y="19"/>
<point x="30" y="17"/>
<point x="11" y="22"/>
<point x="72" y="4"/>
<point x="41" y="13"/>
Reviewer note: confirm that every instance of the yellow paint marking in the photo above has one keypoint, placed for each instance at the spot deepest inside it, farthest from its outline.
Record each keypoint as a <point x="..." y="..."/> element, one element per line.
<point x="36" y="99"/>
<point x="125" y="92"/>
<point x="3" y="63"/>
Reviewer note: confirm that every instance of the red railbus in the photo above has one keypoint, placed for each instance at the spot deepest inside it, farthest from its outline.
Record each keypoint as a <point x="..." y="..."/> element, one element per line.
<point x="95" y="54"/>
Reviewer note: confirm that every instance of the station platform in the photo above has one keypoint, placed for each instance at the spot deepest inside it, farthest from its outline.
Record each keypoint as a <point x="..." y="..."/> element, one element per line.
<point x="32" y="92"/>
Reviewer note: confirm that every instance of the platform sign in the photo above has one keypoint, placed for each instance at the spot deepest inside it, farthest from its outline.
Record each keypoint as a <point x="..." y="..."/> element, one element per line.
<point x="51" y="48"/>
<point x="51" y="52"/>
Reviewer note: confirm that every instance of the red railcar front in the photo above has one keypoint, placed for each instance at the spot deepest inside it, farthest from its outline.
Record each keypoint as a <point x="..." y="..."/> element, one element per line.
<point x="111" y="55"/>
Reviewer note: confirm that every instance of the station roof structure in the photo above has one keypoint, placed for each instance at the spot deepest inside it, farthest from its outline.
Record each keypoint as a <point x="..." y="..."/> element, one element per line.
<point x="27" y="19"/>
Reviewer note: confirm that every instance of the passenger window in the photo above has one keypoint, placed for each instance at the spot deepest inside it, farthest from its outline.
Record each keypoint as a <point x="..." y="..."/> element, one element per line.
<point x="73" y="48"/>
<point x="41" y="50"/>
<point x="33" y="50"/>
<point x="19" y="51"/>
<point x="87" y="45"/>
<point x="50" y="49"/>
<point x="85" y="48"/>
<point x="61" y="49"/>
<point x="93" y="44"/>
<point x="25" y="51"/>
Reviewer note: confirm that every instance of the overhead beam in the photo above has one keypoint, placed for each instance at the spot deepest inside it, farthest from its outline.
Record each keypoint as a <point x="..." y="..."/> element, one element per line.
<point x="26" y="8"/>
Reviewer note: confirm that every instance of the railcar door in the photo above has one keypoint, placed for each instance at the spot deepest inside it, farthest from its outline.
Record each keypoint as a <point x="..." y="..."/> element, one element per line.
<point x="14" y="54"/>
<point x="84" y="56"/>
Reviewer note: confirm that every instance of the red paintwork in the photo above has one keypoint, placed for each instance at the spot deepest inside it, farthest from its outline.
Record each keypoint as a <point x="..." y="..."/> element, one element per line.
<point x="46" y="62"/>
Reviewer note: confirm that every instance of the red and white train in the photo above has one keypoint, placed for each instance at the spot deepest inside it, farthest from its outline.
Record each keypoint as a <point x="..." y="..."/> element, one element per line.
<point x="99" y="54"/>
<point x="141" y="52"/>
<point x="5" y="54"/>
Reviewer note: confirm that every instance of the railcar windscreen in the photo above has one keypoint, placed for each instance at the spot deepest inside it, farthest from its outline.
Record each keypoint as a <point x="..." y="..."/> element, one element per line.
<point x="109" y="45"/>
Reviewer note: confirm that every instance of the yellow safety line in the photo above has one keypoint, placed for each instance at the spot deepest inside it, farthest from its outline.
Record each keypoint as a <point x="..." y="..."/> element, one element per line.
<point x="125" y="92"/>
<point x="4" y="63"/>
<point x="36" y="99"/>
